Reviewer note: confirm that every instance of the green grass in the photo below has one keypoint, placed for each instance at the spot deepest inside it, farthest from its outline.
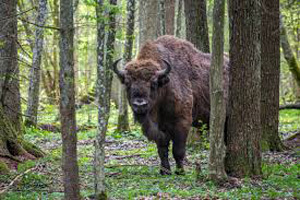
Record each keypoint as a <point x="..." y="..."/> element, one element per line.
<point x="289" y="121"/>
<point x="132" y="168"/>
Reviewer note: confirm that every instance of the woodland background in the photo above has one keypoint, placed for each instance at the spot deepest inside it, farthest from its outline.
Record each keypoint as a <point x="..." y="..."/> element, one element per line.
<point x="131" y="162"/>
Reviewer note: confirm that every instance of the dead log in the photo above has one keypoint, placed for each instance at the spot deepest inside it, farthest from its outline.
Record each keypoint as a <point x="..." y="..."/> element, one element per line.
<point x="289" y="106"/>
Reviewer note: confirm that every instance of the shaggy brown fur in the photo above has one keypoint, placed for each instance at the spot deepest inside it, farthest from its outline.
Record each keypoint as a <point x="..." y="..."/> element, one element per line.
<point x="174" y="102"/>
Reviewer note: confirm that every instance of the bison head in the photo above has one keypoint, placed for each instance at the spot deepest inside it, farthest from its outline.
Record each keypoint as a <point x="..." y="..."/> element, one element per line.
<point x="142" y="80"/>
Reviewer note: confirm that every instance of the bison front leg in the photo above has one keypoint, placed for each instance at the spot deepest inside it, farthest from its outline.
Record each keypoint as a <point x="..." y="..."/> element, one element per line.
<point x="163" y="152"/>
<point x="179" y="144"/>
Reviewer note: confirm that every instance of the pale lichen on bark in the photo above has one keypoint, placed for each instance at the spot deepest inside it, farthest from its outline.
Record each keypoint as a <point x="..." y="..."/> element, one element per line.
<point x="34" y="76"/>
<point x="217" y="98"/>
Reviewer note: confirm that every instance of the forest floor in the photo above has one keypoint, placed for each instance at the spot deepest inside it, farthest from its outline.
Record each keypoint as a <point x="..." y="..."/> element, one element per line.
<point x="132" y="167"/>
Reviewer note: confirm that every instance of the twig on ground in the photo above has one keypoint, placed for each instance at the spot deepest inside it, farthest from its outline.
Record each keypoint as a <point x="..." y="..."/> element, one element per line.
<point x="17" y="179"/>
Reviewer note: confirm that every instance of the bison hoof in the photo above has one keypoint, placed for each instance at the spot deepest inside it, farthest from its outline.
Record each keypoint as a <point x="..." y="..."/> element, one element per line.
<point x="180" y="171"/>
<point x="165" y="172"/>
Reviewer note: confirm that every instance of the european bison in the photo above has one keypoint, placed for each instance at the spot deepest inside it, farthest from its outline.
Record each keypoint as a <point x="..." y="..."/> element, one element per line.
<point x="168" y="91"/>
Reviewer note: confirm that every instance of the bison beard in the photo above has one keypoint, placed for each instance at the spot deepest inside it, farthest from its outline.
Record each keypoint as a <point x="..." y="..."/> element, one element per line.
<point x="168" y="91"/>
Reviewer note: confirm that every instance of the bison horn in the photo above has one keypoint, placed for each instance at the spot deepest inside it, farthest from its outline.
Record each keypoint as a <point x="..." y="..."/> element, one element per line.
<point x="120" y="73"/>
<point x="164" y="72"/>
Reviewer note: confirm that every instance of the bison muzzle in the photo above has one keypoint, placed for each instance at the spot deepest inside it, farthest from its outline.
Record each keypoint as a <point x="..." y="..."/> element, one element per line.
<point x="168" y="91"/>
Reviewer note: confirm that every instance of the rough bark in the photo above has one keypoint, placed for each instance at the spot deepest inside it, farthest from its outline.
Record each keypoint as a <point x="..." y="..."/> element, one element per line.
<point x="12" y="145"/>
<point x="288" y="54"/>
<point x="148" y="20"/>
<point x="196" y="24"/>
<point x="101" y="91"/>
<point x="34" y="76"/>
<point x="110" y="50"/>
<point x="179" y="18"/>
<point x="243" y="134"/>
<point x="162" y="17"/>
<point x="270" y="71"/>
<point x="170" y="16"/>
<point x="123" y="122"/>
<point x="67" y="102"/>
<point x="217" y="102"/>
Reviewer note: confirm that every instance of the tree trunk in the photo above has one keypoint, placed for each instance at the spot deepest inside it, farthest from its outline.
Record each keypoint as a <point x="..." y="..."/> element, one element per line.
<point x="101" y="95"/>
<point x="148" y="20"/>
<point x="34" y="76"/>
<point x="110" y="51"/>
<point x="217" y="101"/>
<point x="243" y="134"/>
<point x="12" y="146"/>
<point x="67" y="103"/>
<point x="123" y="122"/>
<point x="24" y="18"/>
<point x="179" y="18"/>
<point x="196" y="24"/>
<point x="162" y="17"/>
<point x="288" y="54"/>
<point x="270" y="71"/>
<point x="170" y="16"/>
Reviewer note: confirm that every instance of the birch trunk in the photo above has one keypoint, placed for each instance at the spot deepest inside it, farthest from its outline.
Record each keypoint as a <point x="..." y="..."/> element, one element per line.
<point x="67" y="103"/>
<point x="34" y="76"/>
<point x="217" y="101"/>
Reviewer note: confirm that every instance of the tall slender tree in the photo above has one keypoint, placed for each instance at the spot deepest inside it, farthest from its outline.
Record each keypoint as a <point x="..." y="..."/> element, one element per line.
<point x="217" y="100"/>
<point x="123" y="122"/>
<point x="243" y="134"/>
<point x="67" y="102"/>
<point x="270" y="71"/>
<point x="103" y="86"/>
<point x="100" y="190"/>
<point x="289" y="54"/>
<point x="148" y="20"/>
<point x="161" y="20"/>
<point x="35" y="73"/>
<point x="12" y="144"/>
<point x="196" y="24"/>
<point x="179" y="18"/>
<point x="170" y="16"/>
<point x="110" y="47"/>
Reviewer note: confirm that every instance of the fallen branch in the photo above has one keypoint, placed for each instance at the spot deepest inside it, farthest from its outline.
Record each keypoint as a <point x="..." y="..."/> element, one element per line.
<point x="289" y="106"/>
<point x="17" y="179"/>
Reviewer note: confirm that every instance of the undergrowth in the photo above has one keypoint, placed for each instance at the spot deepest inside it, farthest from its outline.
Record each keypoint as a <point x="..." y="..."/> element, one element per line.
<point x="132" y="167"/>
